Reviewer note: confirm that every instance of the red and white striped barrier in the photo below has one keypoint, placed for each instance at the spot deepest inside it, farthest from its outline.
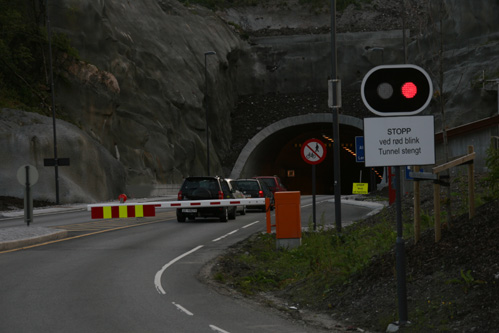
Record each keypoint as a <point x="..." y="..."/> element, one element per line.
<point x="106" y="211"/>
<point x="122" y="211"/>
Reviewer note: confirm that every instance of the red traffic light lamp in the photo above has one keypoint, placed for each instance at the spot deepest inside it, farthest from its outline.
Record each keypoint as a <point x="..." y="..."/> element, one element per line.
<point x="409" y="90"/>
<point x="396" y="90"/>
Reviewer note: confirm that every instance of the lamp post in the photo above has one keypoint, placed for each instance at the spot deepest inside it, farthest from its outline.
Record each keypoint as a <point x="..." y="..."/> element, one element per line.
<point x="336" y="126"/>
<point x="206" y="54"/>
<point x="53" y="103"/>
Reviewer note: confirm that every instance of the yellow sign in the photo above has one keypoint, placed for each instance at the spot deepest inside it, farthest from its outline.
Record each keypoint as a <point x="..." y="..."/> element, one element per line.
<point x="359" y="188"/>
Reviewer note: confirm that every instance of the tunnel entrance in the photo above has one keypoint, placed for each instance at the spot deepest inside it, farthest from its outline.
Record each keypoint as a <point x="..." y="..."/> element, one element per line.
<point x="276" y="150"/>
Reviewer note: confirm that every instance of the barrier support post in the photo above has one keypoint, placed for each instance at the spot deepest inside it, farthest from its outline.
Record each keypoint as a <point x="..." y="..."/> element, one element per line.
<point x="267" y="212"/>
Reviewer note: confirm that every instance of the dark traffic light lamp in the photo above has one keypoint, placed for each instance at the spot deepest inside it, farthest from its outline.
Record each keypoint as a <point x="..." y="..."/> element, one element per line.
<point x="396" y="90"/>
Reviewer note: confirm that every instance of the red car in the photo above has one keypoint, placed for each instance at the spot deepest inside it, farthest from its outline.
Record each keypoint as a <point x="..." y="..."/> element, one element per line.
<point x="273" y="183"/>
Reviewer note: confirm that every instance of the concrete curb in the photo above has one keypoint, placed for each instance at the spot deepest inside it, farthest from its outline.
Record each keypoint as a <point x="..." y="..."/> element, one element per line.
<point x="41" y="211"/>
<point x="35" y="236"/>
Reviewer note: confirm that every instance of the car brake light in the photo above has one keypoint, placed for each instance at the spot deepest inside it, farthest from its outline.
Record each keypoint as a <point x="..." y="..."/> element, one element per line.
<point x="260" y="194"/>
<point x="220" y="195"/>
<point x="180" y="196"/>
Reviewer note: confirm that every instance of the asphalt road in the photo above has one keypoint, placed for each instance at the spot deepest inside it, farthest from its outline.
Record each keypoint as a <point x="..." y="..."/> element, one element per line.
<point x="141" y="277"/>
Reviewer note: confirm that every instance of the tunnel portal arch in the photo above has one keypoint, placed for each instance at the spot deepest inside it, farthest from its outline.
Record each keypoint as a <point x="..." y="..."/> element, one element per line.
<point x="275" y="150"/>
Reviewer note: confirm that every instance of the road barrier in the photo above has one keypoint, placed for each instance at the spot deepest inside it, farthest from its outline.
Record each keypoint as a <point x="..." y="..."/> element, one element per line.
<point x="106" y="211"/>
<point x="110" y="212"/>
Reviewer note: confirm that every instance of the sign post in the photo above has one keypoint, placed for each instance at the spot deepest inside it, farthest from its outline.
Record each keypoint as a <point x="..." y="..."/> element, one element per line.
<point x="398" y="90"/>
<point x="313" y="152"/>
<point x="27" y="175"/>
<point x="56" y="162"/>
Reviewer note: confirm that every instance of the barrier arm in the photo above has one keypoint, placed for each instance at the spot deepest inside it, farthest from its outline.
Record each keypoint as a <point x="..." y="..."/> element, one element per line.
<point x="147" y="209"/>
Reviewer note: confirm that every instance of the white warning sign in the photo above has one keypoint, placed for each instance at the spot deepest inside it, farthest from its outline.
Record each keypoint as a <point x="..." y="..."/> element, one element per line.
<point x="396" y="141"/>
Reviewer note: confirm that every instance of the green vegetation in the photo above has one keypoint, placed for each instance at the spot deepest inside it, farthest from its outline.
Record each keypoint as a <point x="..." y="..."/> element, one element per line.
<point x="466" y="280"/>
<point x="24" y="68"/>
<point x="323" y="256"/>
<point x="328" y="269"/>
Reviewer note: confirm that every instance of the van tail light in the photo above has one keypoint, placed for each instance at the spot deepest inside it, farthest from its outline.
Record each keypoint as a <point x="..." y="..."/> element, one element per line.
<point x="180" y="196"/>
<point x="220" y="195"/>
<point x="260" y="194"/>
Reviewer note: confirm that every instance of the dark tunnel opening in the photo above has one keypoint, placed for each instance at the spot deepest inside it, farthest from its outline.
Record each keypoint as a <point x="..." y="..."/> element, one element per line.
<point x="280" y="154"/>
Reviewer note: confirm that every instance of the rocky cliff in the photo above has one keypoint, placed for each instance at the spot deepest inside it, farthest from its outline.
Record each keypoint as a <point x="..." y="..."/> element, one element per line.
<point x="138" y="92"/>
<point x="27" y="138"/>
<point x="138" y="95"/>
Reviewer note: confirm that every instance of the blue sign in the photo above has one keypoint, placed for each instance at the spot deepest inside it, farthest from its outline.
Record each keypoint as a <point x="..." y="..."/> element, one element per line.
<point x="407" y="173"/>
<point x="359" y="149"/>
<point x="408" y="170"/>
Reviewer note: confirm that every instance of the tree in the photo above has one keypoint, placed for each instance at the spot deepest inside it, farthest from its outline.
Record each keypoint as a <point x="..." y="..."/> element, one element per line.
<point x="23" y="60"/>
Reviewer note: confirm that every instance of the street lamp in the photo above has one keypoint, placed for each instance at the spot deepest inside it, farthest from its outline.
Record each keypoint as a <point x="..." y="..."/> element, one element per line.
<point x="206" y="54"/>
<point x="49" y="36"/>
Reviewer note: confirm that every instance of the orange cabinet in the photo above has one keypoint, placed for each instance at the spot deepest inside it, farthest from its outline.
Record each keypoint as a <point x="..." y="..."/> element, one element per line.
<point x="287" y="215"/>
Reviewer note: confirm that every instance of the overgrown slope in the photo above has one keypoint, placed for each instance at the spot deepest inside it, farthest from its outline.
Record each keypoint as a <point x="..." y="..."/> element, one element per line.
<point x="452" y="284"/>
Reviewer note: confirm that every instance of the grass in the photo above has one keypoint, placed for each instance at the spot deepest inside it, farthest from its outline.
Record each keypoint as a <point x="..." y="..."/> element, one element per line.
<point x="323" y="256"/>
<point x="328" y="263"/>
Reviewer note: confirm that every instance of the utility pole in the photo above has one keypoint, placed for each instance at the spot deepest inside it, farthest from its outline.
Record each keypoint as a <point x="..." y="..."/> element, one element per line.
<point x="52" y="90"/>
<point x="336" y="125"/>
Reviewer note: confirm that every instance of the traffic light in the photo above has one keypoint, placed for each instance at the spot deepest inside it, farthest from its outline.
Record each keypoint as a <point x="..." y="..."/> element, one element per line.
<point x="396" y="90"/>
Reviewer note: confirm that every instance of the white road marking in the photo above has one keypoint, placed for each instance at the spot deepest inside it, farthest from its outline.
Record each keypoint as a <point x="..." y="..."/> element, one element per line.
<point x="311" y="204"/>
<point x="217" y="329"/>
<point x="222" y="237"/>
<point x="184" y="310"/>
<point x="157" y="278"/>
<point x="249" y="225"/>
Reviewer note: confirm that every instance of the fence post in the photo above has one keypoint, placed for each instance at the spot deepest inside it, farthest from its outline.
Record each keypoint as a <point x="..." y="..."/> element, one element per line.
<point x="436" y="205"/>
<point x="471" y="185"/>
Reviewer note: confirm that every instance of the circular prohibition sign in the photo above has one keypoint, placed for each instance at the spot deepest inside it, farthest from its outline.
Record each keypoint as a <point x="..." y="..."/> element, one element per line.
<point x="313" y="151"/>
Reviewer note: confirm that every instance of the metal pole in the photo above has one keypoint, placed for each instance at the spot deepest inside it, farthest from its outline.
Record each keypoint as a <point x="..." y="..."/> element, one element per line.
<point x="52" y="90"/>
<point x="336" y="126"/>
<point x="400" y="253"/>
<point x="313" y="196"/>
<point x="206" y="111"/>
<point x="28" y="209"/>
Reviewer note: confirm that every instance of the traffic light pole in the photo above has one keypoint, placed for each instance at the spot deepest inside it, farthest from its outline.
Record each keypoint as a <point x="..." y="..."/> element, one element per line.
<point x="398" y="90"/>
<point x="336" y="126"/>
<point x="400" y="253"/>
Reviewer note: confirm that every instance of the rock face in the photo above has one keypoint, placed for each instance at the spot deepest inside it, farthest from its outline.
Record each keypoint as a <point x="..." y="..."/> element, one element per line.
<point x="27" y="138"/>
<point x="371" y="34"/>
<point x="140" y="91"/>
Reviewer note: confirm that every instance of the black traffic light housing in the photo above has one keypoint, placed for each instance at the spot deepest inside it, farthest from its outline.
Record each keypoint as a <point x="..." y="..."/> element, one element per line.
<point x="396" y="90"/>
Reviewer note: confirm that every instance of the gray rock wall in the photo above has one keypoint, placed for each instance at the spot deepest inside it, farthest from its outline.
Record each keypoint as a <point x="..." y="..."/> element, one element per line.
<point x="301" y="63"/>
<point x="137" y="94"/>
<point x="146" y="99"/>
<point x="470" y="57"/>
<point x="27" y="138"/>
